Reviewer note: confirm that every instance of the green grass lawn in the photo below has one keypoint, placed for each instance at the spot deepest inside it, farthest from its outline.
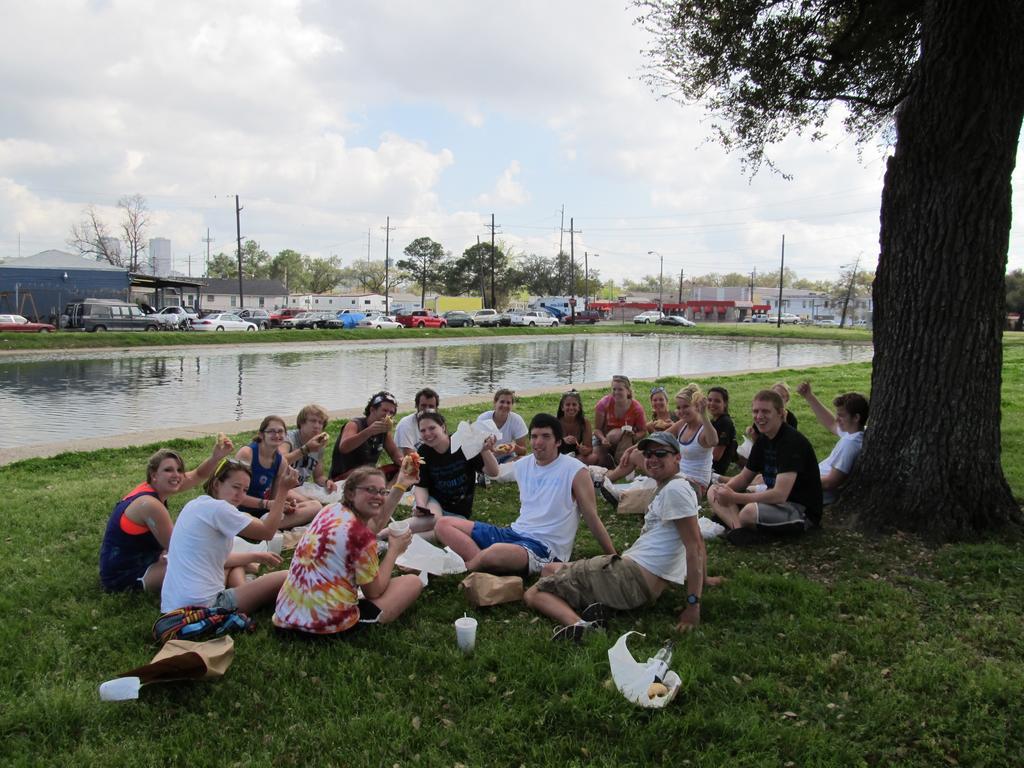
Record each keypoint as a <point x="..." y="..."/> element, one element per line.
<point x="79" y="340"/>
<point x="836" y="650"/>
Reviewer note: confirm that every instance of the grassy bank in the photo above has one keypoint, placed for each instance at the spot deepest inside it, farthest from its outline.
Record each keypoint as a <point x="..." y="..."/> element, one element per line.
<point x="77" y="340"/>
<point x="834" y="650"/>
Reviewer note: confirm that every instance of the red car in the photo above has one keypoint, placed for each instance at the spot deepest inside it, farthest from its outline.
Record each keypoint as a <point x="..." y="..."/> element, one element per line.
<point x="421" y="318"/>
<point x="19" y="324"/>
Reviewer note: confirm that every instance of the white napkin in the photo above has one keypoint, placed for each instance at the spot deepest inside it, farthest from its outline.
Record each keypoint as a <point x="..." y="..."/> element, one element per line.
<point x="421" y="556"/>
<point x="470" y="436"/>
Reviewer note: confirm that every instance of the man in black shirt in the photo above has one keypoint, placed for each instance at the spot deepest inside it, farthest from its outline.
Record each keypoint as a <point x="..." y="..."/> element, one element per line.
<point x="785" y="459"/>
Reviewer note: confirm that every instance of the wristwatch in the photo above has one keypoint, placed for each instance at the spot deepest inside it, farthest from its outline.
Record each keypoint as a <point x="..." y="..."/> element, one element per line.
<point x="692" y="599"/>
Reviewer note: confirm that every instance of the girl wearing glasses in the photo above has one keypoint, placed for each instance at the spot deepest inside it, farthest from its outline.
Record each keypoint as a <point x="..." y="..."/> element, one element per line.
<point x="201" y="568"/>
<point x="576" y="430"/>
<point x="133" y="553"/>
<point x="337" y="557"/>
<point x="265" y="456"/>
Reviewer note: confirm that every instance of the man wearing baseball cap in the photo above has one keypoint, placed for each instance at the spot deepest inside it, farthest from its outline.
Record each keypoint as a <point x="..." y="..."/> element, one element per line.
<point x="670" y="550"/>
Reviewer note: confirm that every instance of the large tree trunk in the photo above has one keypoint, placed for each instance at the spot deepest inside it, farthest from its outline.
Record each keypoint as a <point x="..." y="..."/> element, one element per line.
<point x="931" y="460"/>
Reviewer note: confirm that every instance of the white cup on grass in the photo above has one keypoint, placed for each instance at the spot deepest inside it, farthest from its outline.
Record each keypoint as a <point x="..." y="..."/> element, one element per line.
<point x="465" y="634"/>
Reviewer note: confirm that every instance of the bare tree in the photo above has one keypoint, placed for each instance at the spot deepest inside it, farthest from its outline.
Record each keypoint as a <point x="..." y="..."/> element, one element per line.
<point x="90" y="237"/>
<point x="134" y="223"/>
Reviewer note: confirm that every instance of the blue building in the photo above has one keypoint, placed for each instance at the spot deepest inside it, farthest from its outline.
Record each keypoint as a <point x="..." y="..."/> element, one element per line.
<point x="39" y="286"/>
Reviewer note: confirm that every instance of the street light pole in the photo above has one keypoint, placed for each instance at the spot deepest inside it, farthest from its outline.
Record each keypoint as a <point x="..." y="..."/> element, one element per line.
<point x="661" y="280"/>
<point x="849" y="292"/>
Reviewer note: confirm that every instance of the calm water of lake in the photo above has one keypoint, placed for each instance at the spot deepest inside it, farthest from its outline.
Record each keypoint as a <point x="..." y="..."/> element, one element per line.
<point x="68" y="395"/>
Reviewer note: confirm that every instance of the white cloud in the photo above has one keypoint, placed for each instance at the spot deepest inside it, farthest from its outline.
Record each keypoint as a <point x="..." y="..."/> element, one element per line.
<point x="507" y="191"/>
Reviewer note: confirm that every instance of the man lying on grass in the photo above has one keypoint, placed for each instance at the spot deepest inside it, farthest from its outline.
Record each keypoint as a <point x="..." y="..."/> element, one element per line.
<point x="555" y="489"/>
<point x="670" y="550"/>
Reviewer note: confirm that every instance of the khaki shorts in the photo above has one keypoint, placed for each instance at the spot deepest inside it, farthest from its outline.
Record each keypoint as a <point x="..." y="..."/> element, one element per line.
<point x="609" y="579"/>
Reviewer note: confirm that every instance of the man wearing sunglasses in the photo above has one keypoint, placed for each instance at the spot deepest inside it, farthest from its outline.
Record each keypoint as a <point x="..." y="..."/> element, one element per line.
<point x="670" y="550"/>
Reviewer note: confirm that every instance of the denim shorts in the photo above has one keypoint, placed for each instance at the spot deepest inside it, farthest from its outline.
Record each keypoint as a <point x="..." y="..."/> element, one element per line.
<point x="485" y="534"/>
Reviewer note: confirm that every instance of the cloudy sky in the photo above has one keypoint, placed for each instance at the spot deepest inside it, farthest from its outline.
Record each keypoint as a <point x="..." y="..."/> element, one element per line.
<point x="327" y="117"/>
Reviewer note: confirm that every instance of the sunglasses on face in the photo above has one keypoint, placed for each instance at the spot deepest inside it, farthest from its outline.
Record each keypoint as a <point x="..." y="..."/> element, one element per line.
<point x="384" y="397"/>
<point x="660" y="453"/>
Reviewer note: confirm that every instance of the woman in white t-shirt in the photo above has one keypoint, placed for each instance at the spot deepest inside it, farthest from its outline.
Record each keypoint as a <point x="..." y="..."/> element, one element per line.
<point x="201" y="568"/>
<point x="513" y="429"/>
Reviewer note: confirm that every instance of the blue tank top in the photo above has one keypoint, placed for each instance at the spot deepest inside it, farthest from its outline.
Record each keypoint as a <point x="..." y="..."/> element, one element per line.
<point x="119" y="548"/>
<point x="262" y="478"/>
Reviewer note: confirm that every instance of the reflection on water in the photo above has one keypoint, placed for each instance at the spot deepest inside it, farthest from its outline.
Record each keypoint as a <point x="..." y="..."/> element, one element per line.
<point x="71" y="395"/>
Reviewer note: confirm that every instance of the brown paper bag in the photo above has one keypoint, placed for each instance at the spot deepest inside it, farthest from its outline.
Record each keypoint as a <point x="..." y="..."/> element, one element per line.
<point x="186" y="660"/>
<point x="635" y="501"/>
<point x="484" y="589"/>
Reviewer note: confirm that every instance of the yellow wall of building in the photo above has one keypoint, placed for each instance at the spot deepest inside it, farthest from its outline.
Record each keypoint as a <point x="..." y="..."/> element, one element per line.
<point x="466" y="303"/>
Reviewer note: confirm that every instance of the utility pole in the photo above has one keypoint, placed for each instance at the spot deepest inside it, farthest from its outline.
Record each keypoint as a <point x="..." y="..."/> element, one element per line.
<point x="367" y="245"/>
<point x="482" y="268"/>
<point x="782" y="274"/>
<point x="207" y="240"/>
<point x="572" y="268"/>
<point x="494" y="300"/>
<point x="849" y="292"/>
<point x="238" y="232"/>
<point x="680" y="287"/>
<point x="387" y="265"/>
<point x="190" y="263"/>
<point x="561" y="236"/>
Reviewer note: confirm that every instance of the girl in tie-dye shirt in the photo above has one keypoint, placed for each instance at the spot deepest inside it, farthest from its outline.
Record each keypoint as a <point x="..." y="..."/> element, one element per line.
<point x="338" y="555"/>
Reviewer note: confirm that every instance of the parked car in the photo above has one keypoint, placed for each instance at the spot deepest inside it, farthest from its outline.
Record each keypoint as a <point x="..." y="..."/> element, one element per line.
<point x="278" y="316"/>
<point x="21" y="324"/>
<point x="97" y="315"/>
<point x="677" y="320"/>
<point x="260" y="317"/>
<point x="787" y="318"/>
<point x="421" y="318"/>
<point x="651" y="316"/>
<point x="582" y="317"/>
<point x="827" y="323"/>
<point x="486" y="318"/>
<point x="505" y="318"/>
<point x="223" y="321"/>
<point x="456" y="318"/>
<point x="533" y="318"/>
<point x="180" y="318"/>
<point x="861" y="324"/>
<point x="325" y="319"/>
<point x="298" y="320"/>
<point x="380" y="322"/>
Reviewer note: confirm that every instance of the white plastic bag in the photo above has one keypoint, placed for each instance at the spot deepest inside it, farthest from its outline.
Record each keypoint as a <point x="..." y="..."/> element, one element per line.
<point x="633" y="679"/>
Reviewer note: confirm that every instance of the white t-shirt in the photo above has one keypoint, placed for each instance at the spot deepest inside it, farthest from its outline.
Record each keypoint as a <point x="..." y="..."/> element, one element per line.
<point x="660" y="549"/>
<point x="513" y="428"/>
<point x="843" y="457"/>
<point x="407" y="432"/>
<point x="547" y="511"/>
<point x="200" y="544"/>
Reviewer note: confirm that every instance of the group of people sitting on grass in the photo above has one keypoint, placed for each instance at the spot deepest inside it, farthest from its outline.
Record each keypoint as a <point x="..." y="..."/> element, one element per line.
<point x="337" y="579"/>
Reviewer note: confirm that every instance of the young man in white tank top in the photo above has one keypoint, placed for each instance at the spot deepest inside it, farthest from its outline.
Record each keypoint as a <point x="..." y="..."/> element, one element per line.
<point x="555" y="490"/>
